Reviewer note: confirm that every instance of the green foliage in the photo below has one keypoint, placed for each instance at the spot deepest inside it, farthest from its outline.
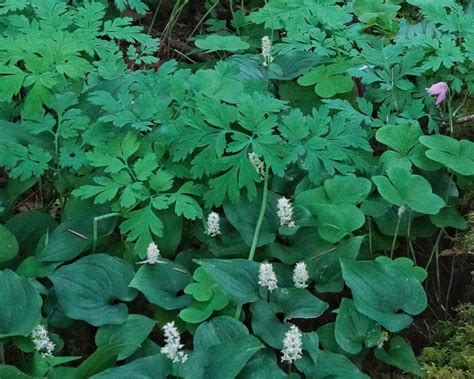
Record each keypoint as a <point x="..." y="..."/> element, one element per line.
<point x="154" y="192"/>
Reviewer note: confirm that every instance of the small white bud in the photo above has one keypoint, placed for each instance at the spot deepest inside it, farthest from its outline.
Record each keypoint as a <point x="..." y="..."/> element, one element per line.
<point x="267" y="51"/>
<point x="213" y="224"/>
<point x="300" y="275"/>
<point x="401" y="211"/>
<point x="257" y="164"/>
<point x="383" y="338"/>
<point x="292" y="345"/>
<point x="173" y="346"/>
<point x="42" y="342"/>
<point x="267" y="277"/>
<point x="152" y="254"/>
<point x="285" y="212"/>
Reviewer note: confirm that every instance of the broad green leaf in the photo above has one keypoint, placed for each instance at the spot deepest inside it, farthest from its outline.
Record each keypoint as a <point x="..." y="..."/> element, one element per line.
<point x="336" y="366"/>
<point x="8" y="245"/>
<point x="208" y="364"/>
<point x="161" y="284"/>
<point x="222" y="43"/>
<point x="216" y="331"/>
<point x="135" y="330"/>
<point x="21" y="309"/>
<point x="400" y="354"/>
<point x="29" y="227"/>
<point x="385" y="292"/>
<point x="405" y="189"/>
<point x="353" y="330"/>
<point x="155" y="366"/>
<point x="87" y="289"/>
<point x="456" y="155"/>
<point x="297" y="303"/>
<point x="324" y="266"/>
<point x="237" y="278"/>
<point x="266" y="325"/>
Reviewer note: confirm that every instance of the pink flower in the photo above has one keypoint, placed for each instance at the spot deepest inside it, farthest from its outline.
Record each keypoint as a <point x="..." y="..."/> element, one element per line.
<point x="438" y="89"/>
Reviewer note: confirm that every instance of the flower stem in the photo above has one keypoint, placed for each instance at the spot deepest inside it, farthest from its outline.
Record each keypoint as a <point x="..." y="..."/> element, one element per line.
<point x="263" y="208"/>
<point x="256" y="233"/>
<point x="395" y="236"/>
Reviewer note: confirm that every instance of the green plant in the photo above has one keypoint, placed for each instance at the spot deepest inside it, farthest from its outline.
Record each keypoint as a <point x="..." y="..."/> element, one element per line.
<point x="276" y="227"/>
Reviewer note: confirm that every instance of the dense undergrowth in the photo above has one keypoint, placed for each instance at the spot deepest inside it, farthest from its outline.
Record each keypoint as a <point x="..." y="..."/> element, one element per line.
<point x="283" y="200"/>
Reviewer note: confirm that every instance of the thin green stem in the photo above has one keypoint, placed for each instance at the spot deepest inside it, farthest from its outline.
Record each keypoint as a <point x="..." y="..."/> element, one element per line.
<point x="410" y="245"/>
<point x="450" y="114"/>
<point x="260" y="216"/>
<point x="256" y="233"/>
<point x="451" y="277"/>
<point x="395" y="237"/>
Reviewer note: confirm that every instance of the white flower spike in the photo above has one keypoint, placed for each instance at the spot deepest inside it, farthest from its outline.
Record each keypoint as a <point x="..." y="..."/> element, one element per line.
<point x="42" y="342"/>
<point x="300" y="275"/>
<point x="257" y="164"/>
<point x="267" y="51"/>
<point x="267" y="277"/>
<point x="152" y="254"/>
<point x="285" y="212"/>
<point x="213" y="224"/>
<point x="292" y="345"/>
<point x="173" y="347"/>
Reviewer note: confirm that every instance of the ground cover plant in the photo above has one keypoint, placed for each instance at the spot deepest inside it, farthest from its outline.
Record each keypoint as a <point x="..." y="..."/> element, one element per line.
<point x="233" y="189"/>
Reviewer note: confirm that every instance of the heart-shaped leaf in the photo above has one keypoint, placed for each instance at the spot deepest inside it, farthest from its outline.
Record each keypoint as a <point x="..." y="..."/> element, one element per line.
<point x="384" y="291"/>
<point x="297" y="303"/>
<point x="87" y="288"/>
<point x="21" y="305"/>
<point x="237" y="278"/>
<point x="161" y="284"/>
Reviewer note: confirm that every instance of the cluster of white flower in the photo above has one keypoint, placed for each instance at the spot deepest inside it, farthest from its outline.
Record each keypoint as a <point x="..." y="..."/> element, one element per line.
<point x="173" y="346"/>
<point x="213" y="224"/>
<point x="267" y="51"/>
<point x="285" y="212"/>
<point x="292" y="345"/>
<point x="267" y="277"/>
<point x="152" y="254"/>
<point x="300" y="275"/>
<point x="257" y="164"/>
<point x="42" y="342"/>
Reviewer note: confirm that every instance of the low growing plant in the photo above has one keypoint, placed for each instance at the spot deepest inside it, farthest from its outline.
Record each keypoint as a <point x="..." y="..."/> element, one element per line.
<point x="258" y="216"/>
